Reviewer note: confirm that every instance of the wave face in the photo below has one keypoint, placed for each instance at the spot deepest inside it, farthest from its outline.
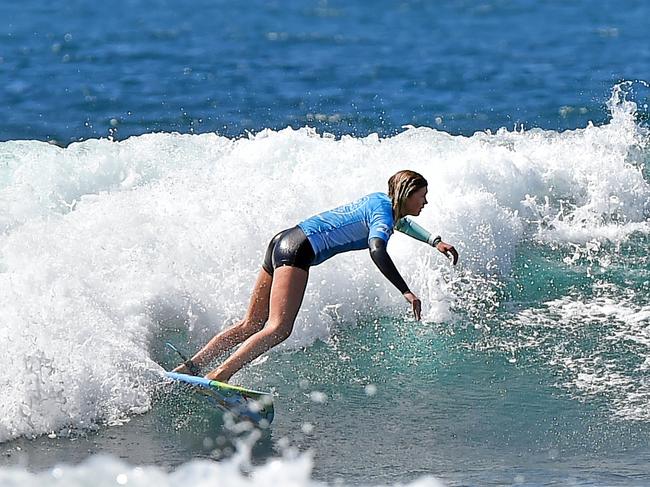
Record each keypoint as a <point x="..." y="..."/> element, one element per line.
<point x="107" y="248"/>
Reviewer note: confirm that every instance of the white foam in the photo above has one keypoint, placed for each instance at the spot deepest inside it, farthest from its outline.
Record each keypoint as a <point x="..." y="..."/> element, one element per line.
<point x="619" y="331"/>
<point x="103" y="241"/>
<point x="100" y="470"/>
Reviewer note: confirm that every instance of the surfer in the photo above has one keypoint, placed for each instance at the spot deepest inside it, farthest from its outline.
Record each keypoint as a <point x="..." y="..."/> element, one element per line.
<point x="280" y="287"/>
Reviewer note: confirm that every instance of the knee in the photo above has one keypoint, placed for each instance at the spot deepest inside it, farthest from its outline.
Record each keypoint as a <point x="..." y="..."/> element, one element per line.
<point x="279" y="332"/>
<point x="248" y="327"/>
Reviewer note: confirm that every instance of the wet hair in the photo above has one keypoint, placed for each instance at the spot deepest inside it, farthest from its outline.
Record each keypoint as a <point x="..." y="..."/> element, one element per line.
<point x="401" y="185"/>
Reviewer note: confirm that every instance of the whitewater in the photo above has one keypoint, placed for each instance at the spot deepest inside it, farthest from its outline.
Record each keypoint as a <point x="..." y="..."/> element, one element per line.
<point x="110" y="248"/>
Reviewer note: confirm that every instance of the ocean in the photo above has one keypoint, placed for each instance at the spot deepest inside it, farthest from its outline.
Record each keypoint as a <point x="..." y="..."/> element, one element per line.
<point x="150" y="150"/>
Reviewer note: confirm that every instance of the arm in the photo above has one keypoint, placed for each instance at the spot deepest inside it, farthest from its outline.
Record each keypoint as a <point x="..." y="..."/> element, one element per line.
<point x="412" y="229"/>
<point x="382" y="260"/>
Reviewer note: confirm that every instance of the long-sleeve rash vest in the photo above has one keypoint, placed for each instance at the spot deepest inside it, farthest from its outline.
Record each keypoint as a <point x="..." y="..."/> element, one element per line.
<point x="353" y="226"/>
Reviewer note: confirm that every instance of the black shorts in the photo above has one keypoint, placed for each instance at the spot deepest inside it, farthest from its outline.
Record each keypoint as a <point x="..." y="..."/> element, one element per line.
<point x="289" y="247"/>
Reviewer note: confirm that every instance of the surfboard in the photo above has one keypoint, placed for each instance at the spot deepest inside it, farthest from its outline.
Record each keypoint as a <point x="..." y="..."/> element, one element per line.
<point x="246" y="404"/>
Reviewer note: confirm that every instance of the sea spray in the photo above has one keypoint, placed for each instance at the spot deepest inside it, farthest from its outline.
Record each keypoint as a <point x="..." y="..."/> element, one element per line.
<point x="101" y="470"/>
<point x="110" y="247"/>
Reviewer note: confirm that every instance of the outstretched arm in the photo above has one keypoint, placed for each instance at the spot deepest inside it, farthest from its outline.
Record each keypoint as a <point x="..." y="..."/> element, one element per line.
<point x="385" y="264"/>
<point x="412" y="229"/>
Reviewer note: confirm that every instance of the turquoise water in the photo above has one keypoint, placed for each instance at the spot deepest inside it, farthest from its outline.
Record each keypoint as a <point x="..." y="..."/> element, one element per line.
<point x="140" y="185"/>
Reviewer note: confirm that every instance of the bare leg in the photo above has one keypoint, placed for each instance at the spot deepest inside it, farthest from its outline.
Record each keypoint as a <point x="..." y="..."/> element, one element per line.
<point x="287" y="292"/>
<point x="256" y="316"/>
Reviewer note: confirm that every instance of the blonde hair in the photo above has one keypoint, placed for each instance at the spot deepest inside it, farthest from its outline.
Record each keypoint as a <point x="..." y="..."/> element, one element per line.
<point x="401" y="185"/>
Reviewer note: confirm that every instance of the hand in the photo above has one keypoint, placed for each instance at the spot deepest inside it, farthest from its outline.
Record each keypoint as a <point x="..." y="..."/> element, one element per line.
<point x="449" y="251"/>
<point x="416" y="304"/>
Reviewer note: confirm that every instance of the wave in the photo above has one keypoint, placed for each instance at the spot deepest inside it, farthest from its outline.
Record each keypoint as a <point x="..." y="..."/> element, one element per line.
<point x="106" y="246"/>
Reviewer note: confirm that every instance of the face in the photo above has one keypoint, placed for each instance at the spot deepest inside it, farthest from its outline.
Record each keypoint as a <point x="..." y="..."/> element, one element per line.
<point x="416" y="201"/>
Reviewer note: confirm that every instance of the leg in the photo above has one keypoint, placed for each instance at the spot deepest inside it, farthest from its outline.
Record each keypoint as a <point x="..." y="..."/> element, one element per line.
<point x="287" y="292"/>
<point x="256" y="316"/>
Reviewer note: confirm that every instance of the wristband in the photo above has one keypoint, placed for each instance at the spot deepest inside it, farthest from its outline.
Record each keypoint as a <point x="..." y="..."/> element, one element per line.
<point x="436" y="241"/>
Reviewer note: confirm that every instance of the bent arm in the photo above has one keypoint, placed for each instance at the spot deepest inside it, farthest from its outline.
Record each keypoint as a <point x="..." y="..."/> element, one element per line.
<point x="412" y="229"/>
<point x="382" y="260"/>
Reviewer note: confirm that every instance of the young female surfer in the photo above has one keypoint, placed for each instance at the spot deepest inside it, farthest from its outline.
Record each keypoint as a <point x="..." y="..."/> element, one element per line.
<point x="280" y="287"/>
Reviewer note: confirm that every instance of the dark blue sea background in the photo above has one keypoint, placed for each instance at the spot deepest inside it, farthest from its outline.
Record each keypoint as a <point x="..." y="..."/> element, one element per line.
<point x="77" y="70"/>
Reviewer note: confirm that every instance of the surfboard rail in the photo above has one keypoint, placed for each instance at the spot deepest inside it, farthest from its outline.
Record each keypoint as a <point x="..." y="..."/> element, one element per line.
<point x="246" y="404"/>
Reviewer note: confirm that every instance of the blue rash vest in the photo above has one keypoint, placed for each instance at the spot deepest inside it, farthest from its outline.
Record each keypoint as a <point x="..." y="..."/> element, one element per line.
<point x="349" y="227"/>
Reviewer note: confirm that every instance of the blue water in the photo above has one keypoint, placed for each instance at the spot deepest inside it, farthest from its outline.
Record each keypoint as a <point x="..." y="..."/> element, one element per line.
<point x="149" y="150"/>
<point x="70" y="69"/>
